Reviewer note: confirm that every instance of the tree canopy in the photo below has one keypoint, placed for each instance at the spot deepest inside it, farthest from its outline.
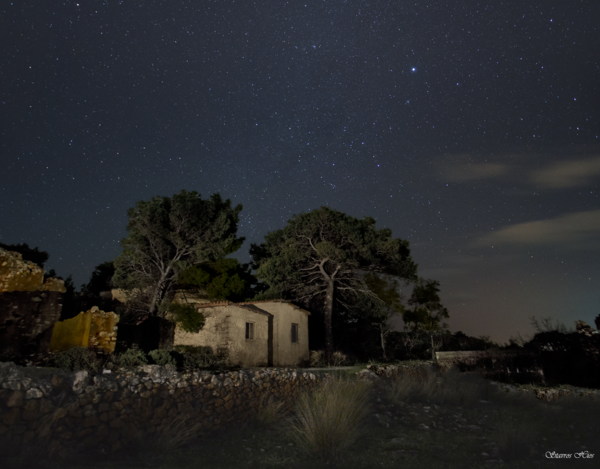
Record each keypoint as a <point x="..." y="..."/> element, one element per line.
<point x="426" y="311"/>
<point x="225" y="279"/>
<point x="324" y="254"/>
<point x="167" y="235"/>
<point x="387" y="304"/>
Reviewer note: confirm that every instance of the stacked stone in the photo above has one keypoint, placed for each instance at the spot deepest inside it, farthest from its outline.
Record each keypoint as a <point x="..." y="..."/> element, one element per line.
<point x="103" y="330"/>
<point x="19" y="275"/>
<point x="78" y="411"/>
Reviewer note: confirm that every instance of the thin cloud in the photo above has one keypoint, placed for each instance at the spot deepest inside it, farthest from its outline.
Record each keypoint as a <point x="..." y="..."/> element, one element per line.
<point x="460" y="168"/>
<point x="577" y="231"/>
<point x="568" y="173"/>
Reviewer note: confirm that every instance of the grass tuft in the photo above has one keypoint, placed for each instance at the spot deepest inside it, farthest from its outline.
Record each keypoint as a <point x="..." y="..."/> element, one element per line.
<point x="330" y="419"/>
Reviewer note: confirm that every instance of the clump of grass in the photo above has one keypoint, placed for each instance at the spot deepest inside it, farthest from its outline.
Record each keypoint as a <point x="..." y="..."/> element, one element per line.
<point x="329" y="420"/>
<point x="450" y="388"/>
<point x="271" y="412"/>
<point x="317" y="359"/>
<point x="163" y="436"/>
<point x="515" y="436"/>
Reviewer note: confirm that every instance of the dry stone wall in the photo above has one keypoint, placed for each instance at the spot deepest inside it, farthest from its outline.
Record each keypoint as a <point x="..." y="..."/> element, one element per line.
<point x="66" y="411"/>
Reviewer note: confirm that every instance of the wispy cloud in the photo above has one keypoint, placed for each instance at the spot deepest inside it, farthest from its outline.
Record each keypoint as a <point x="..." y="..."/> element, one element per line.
<point x="462" y="168"/>
<point x="568" y="173"/>
<point x="525" y="170"/>
<point x="576" y="231"/>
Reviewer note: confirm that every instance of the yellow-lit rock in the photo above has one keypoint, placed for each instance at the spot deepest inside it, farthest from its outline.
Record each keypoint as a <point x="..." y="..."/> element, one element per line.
<point x="17" y="274"/>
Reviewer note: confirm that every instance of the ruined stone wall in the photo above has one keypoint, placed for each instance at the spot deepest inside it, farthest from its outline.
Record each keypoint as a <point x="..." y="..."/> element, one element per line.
<point x="93" y="328"/>
<point x="29" y="307"/>
<point x="27" y="321"/>
<point x="78" y="411"/>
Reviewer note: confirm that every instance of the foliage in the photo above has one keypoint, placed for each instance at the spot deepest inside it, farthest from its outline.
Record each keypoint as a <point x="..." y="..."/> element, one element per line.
<point x="28" y="254"/>
<point x="388" y="303"/>
<point x="162" y="357"/>
<point x="101" y="280"/>
<point x="167" y="235"/>
<point x="187" y="316"/>
<point x="77" y="358"/>
<point x="318" y="360"/>
<point x="324" y="255"/>
<point x="224" y="279"/>
<point x="132" y="358"/>
<point x="196" y="358"/>
<point x="426" y="312"/>
<point x="460" y="342"/>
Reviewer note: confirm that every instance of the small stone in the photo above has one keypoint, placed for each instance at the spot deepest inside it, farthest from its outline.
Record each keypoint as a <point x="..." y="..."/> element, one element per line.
<point x="117" y="423"/>
<point x="16" y="399"/>
<point x="34" y="393"/>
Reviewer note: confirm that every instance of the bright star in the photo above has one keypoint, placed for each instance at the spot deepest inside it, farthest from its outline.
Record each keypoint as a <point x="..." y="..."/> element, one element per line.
<point x="414" y="69"/>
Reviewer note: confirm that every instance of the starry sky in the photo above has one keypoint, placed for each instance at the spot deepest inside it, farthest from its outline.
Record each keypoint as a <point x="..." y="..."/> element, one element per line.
<point x="469" y="128"/>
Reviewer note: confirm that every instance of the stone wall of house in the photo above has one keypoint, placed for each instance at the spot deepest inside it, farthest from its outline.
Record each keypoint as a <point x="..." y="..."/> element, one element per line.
<point x="79" y="411"/>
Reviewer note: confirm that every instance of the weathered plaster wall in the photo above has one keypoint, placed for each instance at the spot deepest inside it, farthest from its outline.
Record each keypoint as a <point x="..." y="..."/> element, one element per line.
<point x="285" y="352"/>
<point x="225" y="327"/>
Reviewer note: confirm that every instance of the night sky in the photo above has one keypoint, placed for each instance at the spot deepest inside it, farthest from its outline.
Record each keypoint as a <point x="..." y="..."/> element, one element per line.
<point x="469" y="129"/>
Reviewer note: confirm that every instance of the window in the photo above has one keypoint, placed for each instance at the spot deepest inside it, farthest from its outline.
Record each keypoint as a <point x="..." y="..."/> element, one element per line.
<point x="295" y="333"/>
<point x="249" y="330"/>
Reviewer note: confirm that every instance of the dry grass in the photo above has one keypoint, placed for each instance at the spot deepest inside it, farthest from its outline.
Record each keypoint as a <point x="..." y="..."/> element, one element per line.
<point x="330" y="424"/>
<point x="166" y="435"/>
<point x="328" y="420"/>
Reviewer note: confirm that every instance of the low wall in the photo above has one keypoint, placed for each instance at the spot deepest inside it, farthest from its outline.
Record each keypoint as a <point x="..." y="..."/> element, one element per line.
<point x="74" y="411"/>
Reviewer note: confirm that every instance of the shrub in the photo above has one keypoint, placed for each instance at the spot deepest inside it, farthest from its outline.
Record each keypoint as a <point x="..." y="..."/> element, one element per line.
<point x="187" y="316"/>
<point x="77" y="358"/>
<point x="195" y="358"/>
<point x="317" y="358"/>
<point x="162" y="357"/>
<point x="132" y="358"/>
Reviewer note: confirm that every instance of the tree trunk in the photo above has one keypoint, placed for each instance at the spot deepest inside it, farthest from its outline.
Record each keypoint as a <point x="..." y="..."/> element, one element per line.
<point x="328" y="328"/>
<point x="158" y="293"/>
<point x="382" y="340"/>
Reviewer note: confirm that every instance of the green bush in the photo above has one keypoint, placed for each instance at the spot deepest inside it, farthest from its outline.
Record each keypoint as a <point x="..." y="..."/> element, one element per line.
<point x="195" y="358"/>
<point x="162" y="357"/>
<point x="77" y="358"/>
<point x="132" y="358"/>
<point x="187" y="316"/>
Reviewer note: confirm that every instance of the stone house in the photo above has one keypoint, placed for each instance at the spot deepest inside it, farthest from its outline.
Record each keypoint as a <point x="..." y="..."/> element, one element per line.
<point x="264" y="333"/>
